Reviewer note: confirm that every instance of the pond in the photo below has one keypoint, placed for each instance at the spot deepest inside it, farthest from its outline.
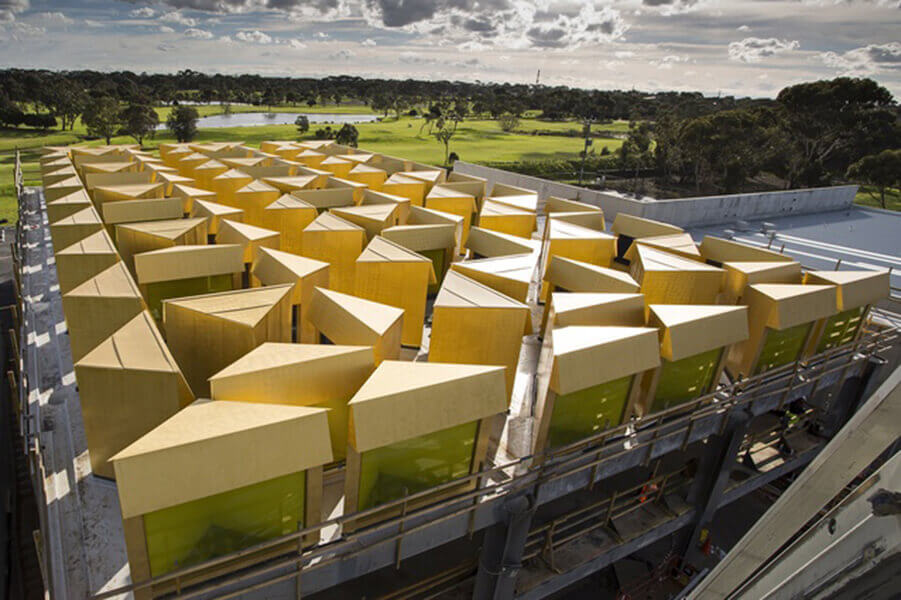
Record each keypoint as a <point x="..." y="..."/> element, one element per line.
<point x="256" y="119"/>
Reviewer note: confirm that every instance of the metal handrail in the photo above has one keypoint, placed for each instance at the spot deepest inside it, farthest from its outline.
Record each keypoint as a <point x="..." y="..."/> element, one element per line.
<point x="554" y="465"/>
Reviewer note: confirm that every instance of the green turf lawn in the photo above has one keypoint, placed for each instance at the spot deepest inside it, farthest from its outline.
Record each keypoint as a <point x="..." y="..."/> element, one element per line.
<point x="892" y="198"/>
<point x="475" y="141"/>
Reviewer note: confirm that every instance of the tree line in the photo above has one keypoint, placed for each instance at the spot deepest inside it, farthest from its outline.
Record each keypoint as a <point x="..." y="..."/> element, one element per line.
<point x="811" y="134"/>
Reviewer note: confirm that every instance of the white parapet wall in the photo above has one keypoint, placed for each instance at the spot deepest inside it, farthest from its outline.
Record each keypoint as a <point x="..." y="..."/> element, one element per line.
<point x="684" y="212"/>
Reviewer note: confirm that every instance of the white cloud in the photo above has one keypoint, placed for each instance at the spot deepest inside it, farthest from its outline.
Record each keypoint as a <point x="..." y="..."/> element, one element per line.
<point x="20" y="31"/>
<point x="865" y="61"/>
<point x="179" y="18"/>
<point x="743" y="28"/>
<point x="165" y="29"/>
<point x="198" y="34"/>
<point x="343" y="54"/>
<point x="51" y="19"/>
<point x="10" y="8"/>
<point x="368" y="42"/>
<point x="145" y="12"/>
<point x="253" y="37"/>
<point x="673" y="7"/>
<point x="322" y="35"/>
<point x="668" y="61"/>
<point x="624" y="54"/>
<point x="92" y="23"/>
<point x="752" y="49"/>
<point x="165" y="47"/>
<point x="297" y="44"/>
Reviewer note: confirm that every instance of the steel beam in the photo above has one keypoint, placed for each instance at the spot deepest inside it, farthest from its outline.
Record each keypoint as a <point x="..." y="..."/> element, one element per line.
<point x="867" y="434"/>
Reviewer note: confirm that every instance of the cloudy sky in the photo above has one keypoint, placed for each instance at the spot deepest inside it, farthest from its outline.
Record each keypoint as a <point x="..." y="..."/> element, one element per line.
<point x="742" y="47"/>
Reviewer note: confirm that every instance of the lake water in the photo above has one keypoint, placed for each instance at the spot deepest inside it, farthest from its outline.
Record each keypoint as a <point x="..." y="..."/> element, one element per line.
<point x="256" y="119"/>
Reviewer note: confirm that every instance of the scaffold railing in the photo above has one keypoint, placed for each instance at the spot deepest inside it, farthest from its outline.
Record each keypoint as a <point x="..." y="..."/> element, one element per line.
<point x="682" y="424"/>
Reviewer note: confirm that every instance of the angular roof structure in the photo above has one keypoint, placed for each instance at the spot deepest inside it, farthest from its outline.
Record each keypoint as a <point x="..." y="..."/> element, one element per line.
<point x="597" y="309"/>
<point x="687" y="330"/>
<point x="577" y="276"/>
<point x="346" y="319"/>
<point x="587" y="356"/>
<point x="249" y="237"/>
<point x="99" y="306"/>
<point x="509" y="275"/>
<point x="131" y="371"/>
<point x="214" y="213"/>
<point x="404" y="400"/>
<point x="189" y="261"/>
<point x="854" y="288"/>
<point x="185" y="457"/>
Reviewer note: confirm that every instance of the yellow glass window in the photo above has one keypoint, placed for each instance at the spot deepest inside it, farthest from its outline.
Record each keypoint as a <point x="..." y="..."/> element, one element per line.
<point x="782" y="347"/>
<point x="584" y="413"/>
<point x="685" y="379"/>
<point x="840" y="329"/>
<point x="414" y="465"/>
<point x="196" y="531"/>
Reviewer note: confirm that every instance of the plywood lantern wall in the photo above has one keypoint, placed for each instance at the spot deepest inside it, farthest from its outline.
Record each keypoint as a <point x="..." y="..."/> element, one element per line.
<point x="84" y="259"/>
<point x="587" y="308"/>
<point x="483" y="243"/>
<point x="717" y="251"/>
<point x="190" y="490"/>
<point x="274" y="267"/>
<point x="208" y="333"/>
<point x="578" y="243"/>
<point x="372" y="198"/>
<point x="188" y="194"/>
<point x="127" y="385"/>
<point x="474" y="324"/>
<point x="629" y="228"/>
<point x="856" y="292"/>
<point x="215" y="213"/>
<point x="782" y="319"/>
<point x="226" y="184"/>
<point x="435" y="242"/>
<point x="456" y="203"/>
<point x="338" y="242"/>
<point x="694" y="343"/>
<point x="182" y="271"/>
<point x="495" y="216"/>
<point x="135" y="238"/>
<point x="407" y="187"/>
<point x="67" y="205"/>
<point x="136" y="211"/>
<point x="348" y="320"/>
<point x="740" y="274"/>
<point x="249" y="237"/>
<point x="417" y="425"/>
<point x="74" y="228"/>
<point x="374" y="218"/>
<point x="253" y="198"/>
<point x="589" y="379"/>
<point x="388" y="273"/>
<point x="318" y="375"/>
<point x="99" y="306"/>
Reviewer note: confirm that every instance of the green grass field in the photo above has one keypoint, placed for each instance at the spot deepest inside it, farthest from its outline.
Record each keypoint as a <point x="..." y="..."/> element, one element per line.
<point x="475" y="140"/>
<point x="892" y="198"/>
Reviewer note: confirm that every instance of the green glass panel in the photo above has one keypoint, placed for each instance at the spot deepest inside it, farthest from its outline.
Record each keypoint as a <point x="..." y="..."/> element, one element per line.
<point x="415" y="465"/>
<point x="437" y="256"/>
<point x="685" y="379"/>
<point x="203" y="529"/>
<point x="782" y="347"/>
<point x="178" y="288"/>
<point x="581" y="414"/>
<point x="841" y="328"/>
